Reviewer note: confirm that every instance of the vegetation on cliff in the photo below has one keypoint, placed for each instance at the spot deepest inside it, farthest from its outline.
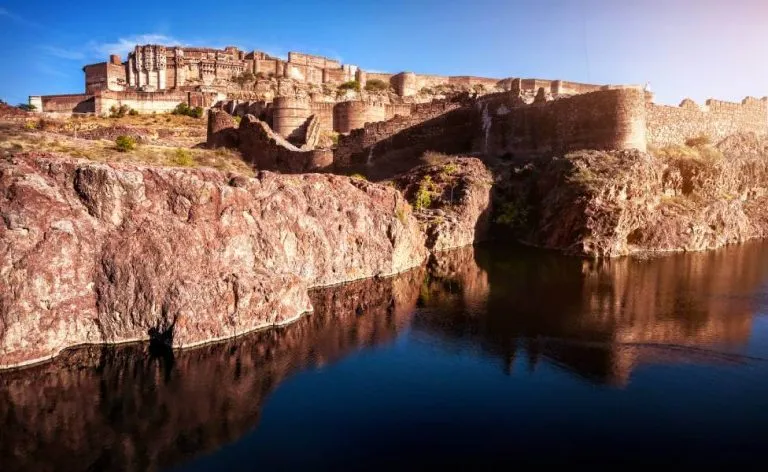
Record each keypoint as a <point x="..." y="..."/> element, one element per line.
<point x="596" y="203"/>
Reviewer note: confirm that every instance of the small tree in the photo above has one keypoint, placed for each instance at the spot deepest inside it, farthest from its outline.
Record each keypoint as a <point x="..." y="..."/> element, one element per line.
<point x="118" y="112"/>
<point x="26" y="107"/>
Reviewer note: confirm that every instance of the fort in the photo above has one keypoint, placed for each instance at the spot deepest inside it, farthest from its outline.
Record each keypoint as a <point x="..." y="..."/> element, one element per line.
<point x="292" y="103"/>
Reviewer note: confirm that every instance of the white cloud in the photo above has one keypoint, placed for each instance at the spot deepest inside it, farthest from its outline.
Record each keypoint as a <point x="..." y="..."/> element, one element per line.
<point x="126" y="44"/>
<point x="70" y="54"/>
<point x="18" y="19"/>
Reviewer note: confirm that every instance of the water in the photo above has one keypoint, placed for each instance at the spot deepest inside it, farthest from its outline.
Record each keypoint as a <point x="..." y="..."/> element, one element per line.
<point x="487" y="358"/>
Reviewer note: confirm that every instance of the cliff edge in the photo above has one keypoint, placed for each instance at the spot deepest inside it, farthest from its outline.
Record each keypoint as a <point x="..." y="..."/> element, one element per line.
<point x="93" y="253"/>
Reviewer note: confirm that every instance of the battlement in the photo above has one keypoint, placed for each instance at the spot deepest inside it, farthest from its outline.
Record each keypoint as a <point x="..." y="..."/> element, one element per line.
<point x="715" y="119"/>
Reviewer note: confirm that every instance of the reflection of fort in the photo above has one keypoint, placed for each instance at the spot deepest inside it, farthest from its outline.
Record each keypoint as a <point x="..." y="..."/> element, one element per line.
<point x="107" y="408"/>
<point x="129" y="408"/>
<point x="597" y="319"/>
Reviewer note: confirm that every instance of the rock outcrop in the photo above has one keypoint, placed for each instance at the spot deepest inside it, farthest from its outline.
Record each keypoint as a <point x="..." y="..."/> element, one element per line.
<point x="92" y="253"/>
<point x="618" y="203"/>
<point x="94" y="408"/>
<point x="452" y="198"/>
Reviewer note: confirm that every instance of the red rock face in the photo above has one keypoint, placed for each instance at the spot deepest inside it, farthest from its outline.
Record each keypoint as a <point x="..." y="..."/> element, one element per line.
<point x="92" y="253"/>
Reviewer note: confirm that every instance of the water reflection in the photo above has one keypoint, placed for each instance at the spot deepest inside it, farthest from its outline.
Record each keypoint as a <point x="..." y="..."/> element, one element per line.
<point x="134" y="407"/>
<point x="115" y="408"/>
<point x="598" y="319"/>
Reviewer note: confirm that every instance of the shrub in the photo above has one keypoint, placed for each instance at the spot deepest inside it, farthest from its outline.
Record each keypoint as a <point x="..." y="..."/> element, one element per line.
<point x="119" y="112"/>
<point x="183" y="158"/>
<point x="424" y="194"/>
<point x="512" y="214"/>
<point x="125" y="143"/>
<point x="358" y="176"/>
<point x="133" y="112"/>
<point x="376" y="85"/>
<point x="450" y="169"/>
<point x="701" y="140"/>
<point x="26" y="107"/>
<point x="186" y="110"/>
<point x="351" y="85"/>
<point x="30" y="125"/>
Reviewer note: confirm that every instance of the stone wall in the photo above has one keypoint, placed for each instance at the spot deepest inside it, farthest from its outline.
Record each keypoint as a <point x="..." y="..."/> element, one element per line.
<point x="355" y="114"/>
<point x="359" y="145"/>
<point x="289" y="116"/>
<point x="716" y="119"/>
<point x="76" y="103"/>
<point x="104" y="76"/>
<point x="142" y="102"/>
<point x="608" y="119"/>
<point x="265" y="150"/>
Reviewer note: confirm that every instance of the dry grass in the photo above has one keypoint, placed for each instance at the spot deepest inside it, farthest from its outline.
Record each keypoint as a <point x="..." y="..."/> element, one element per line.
<point x="699" y="152"/>
<point x="16" y="138"/>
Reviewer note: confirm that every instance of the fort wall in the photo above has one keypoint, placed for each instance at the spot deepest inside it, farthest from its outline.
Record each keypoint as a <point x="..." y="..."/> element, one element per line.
<point x="289" y="115"/>
<point x="355" y="114"/>
<point x="143" y="102"/>
<point x="716" y="119"/>
<point x="75" y="103"/>
<point x="606" y="119"/>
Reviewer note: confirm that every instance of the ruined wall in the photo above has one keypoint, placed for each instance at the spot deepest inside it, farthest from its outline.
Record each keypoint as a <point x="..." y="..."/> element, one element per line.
<point x="716" y="119"/>
<point x="359" y="145"/>
<point x="324" y="113"/>
<point x="608" y="119"/>
<point x="265" y="150"/>
<point x="76" y="103"/>
<point x="405" y="84"/>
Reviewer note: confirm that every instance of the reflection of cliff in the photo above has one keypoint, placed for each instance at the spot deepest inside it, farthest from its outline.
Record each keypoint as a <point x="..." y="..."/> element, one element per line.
<point x="598" y="319"/>
<point x="111" y="408"/>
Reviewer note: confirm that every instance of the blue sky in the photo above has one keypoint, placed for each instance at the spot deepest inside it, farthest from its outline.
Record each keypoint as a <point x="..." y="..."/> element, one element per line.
<point x="684" y="48"/>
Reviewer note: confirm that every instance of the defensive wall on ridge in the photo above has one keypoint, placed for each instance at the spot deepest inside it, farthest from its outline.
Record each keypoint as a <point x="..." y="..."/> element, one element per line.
<point x="715" y="119"/>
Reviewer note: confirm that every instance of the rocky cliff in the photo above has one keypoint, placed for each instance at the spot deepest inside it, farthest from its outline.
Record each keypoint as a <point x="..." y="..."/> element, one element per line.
<point x="92" y="253"/>
<point x="617" y="203"/>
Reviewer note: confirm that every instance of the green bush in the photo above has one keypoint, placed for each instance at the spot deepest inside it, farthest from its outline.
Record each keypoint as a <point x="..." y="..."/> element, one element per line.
<point x="424" y="194"/>
<point x="133" y="112"/>
<point x="376" y="85"/>
<point x="186" y="110"/>
<point x="26" y="107"/>
<point x="512" y="214"/>
<point x="119" y="112"/>
<point x="351" y="85"/>
<point x="183" y="158"/>
<point x="125" y="143"/>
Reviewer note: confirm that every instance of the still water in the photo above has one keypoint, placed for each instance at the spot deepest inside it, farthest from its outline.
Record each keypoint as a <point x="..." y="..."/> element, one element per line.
<point x="485" y="358"/>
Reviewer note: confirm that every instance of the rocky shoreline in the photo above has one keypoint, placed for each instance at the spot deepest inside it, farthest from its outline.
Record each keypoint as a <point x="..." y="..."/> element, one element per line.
<point x="94" y="253"/>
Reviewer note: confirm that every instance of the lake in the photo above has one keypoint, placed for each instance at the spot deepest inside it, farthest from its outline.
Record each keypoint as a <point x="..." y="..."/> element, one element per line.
<point x="487" y="357"/>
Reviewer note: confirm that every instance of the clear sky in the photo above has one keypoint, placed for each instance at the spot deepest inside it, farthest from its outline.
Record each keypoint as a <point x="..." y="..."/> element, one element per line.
<point x="683" y="48"/>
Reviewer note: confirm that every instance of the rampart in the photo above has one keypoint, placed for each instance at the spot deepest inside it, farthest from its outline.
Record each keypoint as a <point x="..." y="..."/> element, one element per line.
<point x="607" y="119"/>
<point x="716" y="120"/>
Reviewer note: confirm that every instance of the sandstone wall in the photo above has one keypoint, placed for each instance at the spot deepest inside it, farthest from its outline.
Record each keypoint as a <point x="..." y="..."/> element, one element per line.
<point x="356" y="147"/>
<point x="355" y="114"/>
<point x="716" y="119"/>
<point x="289" y="114"/>
<point x="76" y="103"/>
<point x="609" y="119"/>
<point x="324" y="113"/>
<point x="143" y="102"/>
<point x="264" y="149"/>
